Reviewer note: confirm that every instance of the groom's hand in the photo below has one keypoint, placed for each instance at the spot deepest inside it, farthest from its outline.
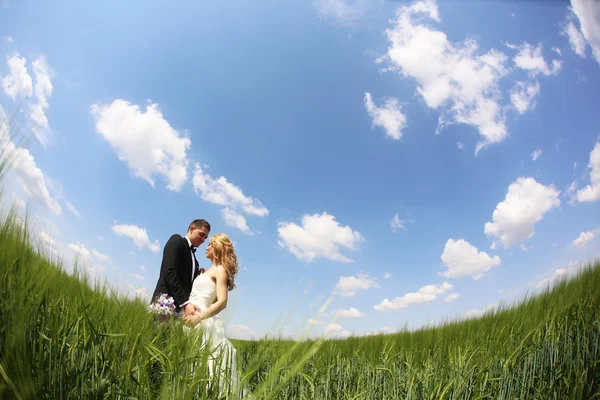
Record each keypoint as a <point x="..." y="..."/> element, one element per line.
<point x="190" y="309"/>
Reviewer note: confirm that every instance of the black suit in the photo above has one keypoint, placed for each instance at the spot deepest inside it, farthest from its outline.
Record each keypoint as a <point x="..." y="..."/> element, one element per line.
<point x="175" y="277"/>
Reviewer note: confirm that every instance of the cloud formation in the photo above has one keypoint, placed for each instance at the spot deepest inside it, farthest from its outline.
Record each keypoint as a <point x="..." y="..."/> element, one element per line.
<point x="591" y="192"/>
<point x="389" y="116"/>
<point x="585" y="238"/>
<point x="463" y="259"/>
<point x="585" y="14"/>
<point x="319" y="236"/>
<point x="425" y="295"/>
<point x="514" y="219"/>
<point x="144" y="140"/>
<point x="138" y="235"/>
<point x="348" y="286"/>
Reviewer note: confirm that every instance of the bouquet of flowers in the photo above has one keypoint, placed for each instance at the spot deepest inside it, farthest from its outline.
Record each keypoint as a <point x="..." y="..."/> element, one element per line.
<point x="163" y="308"/>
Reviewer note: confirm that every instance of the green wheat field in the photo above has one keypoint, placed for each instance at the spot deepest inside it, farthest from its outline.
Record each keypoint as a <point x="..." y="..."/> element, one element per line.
<point x="64" y="337"/>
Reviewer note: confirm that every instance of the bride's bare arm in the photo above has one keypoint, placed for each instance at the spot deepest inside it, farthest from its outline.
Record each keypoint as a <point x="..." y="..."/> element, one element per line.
<point x="216" y="307"/>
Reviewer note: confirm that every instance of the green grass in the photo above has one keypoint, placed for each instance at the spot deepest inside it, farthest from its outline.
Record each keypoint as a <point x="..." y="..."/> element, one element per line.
<point x="63" y="337"/>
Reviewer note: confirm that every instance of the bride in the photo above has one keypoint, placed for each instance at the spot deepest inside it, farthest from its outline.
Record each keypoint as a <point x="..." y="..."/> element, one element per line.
<point x="209" y="292"/>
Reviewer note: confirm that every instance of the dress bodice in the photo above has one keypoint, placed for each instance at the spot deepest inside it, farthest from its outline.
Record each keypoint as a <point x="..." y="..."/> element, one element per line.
<point x="204" y="291"/>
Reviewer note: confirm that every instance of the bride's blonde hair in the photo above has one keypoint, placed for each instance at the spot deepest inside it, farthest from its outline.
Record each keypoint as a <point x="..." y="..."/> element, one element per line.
<point x="225" y="255"/>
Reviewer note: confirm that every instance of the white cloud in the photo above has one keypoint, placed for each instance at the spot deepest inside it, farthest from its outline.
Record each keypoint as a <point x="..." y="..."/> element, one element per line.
<point x="585" y="238"/>
<point x="143" y="294"/>
<point x="224" y="193"/>
<point x="460" y="145"/>
<point x="425" y="295"/>
<point x="536" y="154"/>
<point x="349" y="313"/>
<point x="144" y="140"/>
<point x="591" y="192"/>
<point x="557" y="51"/>
<point x="382" y="330"/>
<point x="143" y="268"/>
<point x="100" y="256"/>
<point x="396" y="223"/>
<point x="19" y="222"/>
<point x="348" y="286"/>
<point x="475" y="313"/>
<point x="47" y="239"/>
<point x="138" y="235"/>
<point x="463" y="259"/>
<point x="525" y="248"/>
<point x="235" y="219"/>
<point x="43" y="85"/>
<point x="560" y="272"/>
<point x="31" y="178"/>
<point x="576" y="39"/>
<point x="572" y="193"/>
<point x="72" y="209"/>
<point x="42" y="90"/>
<point x="80" y="250"/>
<point x="522" y="95"/>
<point x="241" y="332"/>
<point x="58" y="190"/>
<point x="389" y="117"/>
<point x="525" y="204"/>
<point x="18" y="202"/>
<point x="138" y="276"/>
<point x="18" y="82"/>
<point x="342" y="11"/>
<point x="320" y="236"/>
<point x="588" y="14"/>
<point x="52" y="251"/>
<point x="387" y="275"/>
<point x="335" y="331"/>
<point x="451" y="297"/>
<point x="312" y="321"/>
<point x="570" y="271"/>
<point x="450" y="76"/>
<point x="9" y="39"/>
<point x="23" y="164"/>
<point x="531" y="59"/>
<point x="386" y="329"/>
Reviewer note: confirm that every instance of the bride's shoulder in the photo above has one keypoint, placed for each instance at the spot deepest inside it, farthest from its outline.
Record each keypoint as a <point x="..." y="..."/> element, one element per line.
<point x="220" y="270"/>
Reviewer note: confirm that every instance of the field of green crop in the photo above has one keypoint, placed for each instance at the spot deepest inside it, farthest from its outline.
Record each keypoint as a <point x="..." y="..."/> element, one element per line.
<point x="63" y="338"/>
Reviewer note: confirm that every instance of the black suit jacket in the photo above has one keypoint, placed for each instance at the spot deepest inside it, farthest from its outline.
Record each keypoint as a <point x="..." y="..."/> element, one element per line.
<point x="175" y="277"/>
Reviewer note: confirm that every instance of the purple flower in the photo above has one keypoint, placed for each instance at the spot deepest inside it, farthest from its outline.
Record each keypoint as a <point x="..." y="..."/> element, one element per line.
<point x="163" y="308"/>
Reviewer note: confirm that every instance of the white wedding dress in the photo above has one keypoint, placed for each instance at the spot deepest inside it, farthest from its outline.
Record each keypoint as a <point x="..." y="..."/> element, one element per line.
<point x="221" y="360"/>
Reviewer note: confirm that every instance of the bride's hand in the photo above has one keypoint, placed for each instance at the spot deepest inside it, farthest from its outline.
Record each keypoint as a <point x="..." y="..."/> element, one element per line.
<point x="193" y="319"/>
<point x="191" y="308"/>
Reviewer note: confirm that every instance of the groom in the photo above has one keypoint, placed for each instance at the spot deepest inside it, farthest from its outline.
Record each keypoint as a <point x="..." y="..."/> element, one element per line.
<point x="179" y="266"/>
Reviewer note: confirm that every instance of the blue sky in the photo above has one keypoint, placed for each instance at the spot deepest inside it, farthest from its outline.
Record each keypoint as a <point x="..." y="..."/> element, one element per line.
<point x="409" y="161"/>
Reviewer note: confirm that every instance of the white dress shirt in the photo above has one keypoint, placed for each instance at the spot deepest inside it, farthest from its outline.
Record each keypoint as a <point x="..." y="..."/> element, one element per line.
<point x="193" y="258"/>
<point x="193" y="265"/>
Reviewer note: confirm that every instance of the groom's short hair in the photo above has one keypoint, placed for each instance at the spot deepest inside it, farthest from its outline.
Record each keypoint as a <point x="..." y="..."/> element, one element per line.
<point x="199" y="223"/>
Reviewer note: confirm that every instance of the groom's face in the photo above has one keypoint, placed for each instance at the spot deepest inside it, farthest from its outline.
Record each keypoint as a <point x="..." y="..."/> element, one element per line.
<point x="198" y="236"/>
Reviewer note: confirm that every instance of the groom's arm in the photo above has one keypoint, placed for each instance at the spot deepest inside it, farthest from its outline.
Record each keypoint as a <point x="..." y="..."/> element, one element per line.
<point x="172" y="262"/>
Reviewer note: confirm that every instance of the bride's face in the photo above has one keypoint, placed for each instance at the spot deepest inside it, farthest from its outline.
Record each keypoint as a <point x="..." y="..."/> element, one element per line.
<point x="210" y="252"/>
